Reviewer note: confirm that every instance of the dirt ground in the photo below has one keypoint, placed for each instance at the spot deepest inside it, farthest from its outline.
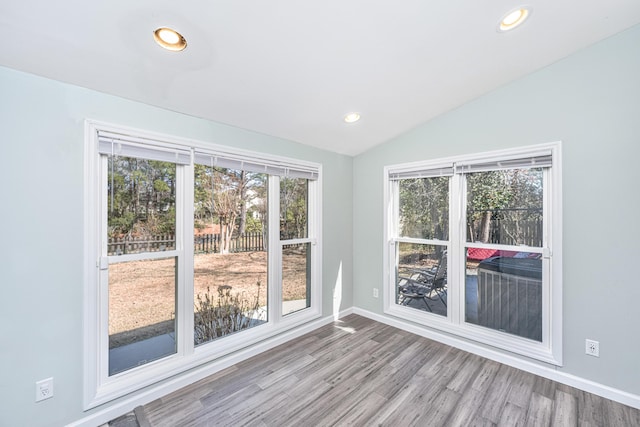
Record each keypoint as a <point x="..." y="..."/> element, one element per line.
<point x="142" y="293"/>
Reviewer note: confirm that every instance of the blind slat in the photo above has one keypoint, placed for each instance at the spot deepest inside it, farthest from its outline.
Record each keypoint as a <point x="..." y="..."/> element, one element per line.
<point x="125" y="145"/>
<point x="254" y="165"/>
<point x="541" y="159"/>
<point x="421" y="173"/>
<point x="122" y="145"/>
<point x="529" y="162"/>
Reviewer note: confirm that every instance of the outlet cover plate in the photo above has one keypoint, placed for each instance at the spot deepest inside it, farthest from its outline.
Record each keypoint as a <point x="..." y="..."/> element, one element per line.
<point x="592" y="348"/>
<point x="44" y="389"/>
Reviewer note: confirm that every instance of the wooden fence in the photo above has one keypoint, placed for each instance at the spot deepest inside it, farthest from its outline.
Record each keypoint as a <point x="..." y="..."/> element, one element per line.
<point x="511" y="227"/>
<point x="202" y="243"/>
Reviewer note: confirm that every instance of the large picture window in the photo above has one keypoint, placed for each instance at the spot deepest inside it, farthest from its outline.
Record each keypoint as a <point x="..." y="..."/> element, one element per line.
<point x="189" y="249"/>
<point x="474" y="247"/>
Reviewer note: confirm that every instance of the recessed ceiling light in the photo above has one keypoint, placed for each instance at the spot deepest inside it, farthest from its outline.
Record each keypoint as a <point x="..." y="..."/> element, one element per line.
<point x="514" y="19"/>
<point x="169" y="39"/>
<point x="352" y="117"/>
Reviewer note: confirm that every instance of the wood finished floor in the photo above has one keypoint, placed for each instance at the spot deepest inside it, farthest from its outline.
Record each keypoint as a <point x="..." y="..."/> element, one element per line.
<point x="360" y="372"/>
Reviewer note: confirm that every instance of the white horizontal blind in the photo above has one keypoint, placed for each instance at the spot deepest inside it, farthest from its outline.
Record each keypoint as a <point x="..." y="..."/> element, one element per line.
<point x="254" y="164"/>
<point x="421" y="173"/>
<point x="110" y="143"/>
<point x="538" y="160"/>
<point x="117" y="144"/>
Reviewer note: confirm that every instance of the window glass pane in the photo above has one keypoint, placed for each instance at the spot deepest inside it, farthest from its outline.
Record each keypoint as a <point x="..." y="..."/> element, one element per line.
<point x="505" y="207"/>
<point x="503" y="291"/>
<point x="296" y="277"/>
<point x="294" y="196"/>
<point x="141" y="205"/>
<point x="421" y="278"/>
<point x="424" y="208"/>
<point x="142" y="307"/>
<point x="230" y="251"/>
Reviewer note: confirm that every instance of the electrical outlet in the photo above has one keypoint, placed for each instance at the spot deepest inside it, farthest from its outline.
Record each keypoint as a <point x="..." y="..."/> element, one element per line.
<point x="375" y="292"/>
<point x="592" y="348"/>
<point x="44" y="389"/>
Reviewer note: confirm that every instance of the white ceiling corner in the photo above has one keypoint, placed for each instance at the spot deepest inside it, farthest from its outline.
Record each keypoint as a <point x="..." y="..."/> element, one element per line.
<point x="293" y="69"/>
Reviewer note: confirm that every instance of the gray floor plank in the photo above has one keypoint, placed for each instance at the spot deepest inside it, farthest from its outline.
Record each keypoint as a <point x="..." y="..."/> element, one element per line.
<point x="466" y="408"/>
<point x="539" y="411"/>
<point x="520" y="389"/>
<point x="565" y="410"/>
<point x="495" y="400"/>
<point x="357" y="372"/>
<point x="511" y="416"/>
<point x="360" y="414"/>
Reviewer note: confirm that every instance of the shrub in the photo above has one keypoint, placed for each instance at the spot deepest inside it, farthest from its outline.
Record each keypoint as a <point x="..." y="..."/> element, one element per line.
<point x="221" y="313"/>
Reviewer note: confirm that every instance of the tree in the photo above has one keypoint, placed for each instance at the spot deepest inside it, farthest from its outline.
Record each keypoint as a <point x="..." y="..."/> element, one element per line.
<point x="225" y="196"/>
<point x="227" y="200"/>
<point x="293" y="207"/>
<point x="141" y="197"/>
<point x="424" y="207"/>
<point x="504" y="201"/>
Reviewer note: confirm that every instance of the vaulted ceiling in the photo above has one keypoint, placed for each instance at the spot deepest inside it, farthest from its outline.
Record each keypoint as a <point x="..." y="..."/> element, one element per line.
<point x="293" y="68"/>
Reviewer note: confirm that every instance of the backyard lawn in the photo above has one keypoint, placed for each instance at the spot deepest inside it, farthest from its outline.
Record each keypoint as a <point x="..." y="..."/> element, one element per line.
<point x="142" y="295"/>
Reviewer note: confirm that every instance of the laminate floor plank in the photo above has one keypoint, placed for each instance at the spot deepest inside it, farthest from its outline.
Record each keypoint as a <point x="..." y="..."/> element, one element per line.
<point x="357" y="372"/>
<point x="274" y="415"/>
<point x="545" y="387"/>
<point x="565" y="410"/>
<point x="486" y="375"/>
<point x="511" y="416"/>
<point x="285" y="371"/>
<point x="466" y="408"/>
<point x="590" y="408"/>
<point x="494" y="403"/>
<point x="466" y="374"/>
<point x="348" y="399"/>
<point x="440" y="406"/>
<point x="360" y="414"/>
<point x="539" y="411"/>
<point x="395" y="404"/>
<point x="480" y="421"/>
<point x="520" y="389"/>
<point x="618" y="414"/>
<point x="364" y="365"/>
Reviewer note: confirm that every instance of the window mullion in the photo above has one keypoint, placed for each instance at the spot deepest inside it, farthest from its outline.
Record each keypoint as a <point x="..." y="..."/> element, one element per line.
<point x="394" y="231"/>
<point x="103" y="276"/>
<point x="274" y="251"/>
<point x="186" y="267"/>
<point x="455" y="283"/>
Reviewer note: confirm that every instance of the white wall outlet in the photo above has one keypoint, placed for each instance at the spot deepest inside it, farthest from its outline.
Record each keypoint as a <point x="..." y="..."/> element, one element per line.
<point x="375" y="292"/>
<point x="592" y="348"/>
<point x="44" y="389"/>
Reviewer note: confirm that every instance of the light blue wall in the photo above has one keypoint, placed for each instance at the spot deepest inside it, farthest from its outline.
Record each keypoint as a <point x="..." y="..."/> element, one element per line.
<point x="590" y="101"/>
<point x="41" y="250"/>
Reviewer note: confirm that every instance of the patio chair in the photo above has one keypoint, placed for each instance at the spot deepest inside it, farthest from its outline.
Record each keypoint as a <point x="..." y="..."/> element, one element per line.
<point x="424" y="284"/>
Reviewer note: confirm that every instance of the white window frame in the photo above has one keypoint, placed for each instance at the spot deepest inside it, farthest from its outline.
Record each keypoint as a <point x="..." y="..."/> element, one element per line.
<point x="550" y="349"/>
<point x="99" y="387"/>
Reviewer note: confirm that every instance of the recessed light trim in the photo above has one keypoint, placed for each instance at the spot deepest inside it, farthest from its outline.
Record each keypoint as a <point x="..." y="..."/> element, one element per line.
<point x="169" y="39"/>
<point x="352" y="117"/>
<point x="514" y="19"/>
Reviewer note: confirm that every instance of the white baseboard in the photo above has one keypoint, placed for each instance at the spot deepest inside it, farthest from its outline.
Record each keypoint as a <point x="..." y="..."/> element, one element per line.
<point x="127" y="404"/>
<point x="602" y="390"/>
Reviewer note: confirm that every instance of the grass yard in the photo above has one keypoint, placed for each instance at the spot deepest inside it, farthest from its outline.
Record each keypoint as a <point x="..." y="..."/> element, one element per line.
<point x="142" y="293"/>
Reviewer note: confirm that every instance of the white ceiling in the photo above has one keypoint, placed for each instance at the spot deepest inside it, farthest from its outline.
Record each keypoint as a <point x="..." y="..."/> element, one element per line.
<point x="293" y="68"/>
